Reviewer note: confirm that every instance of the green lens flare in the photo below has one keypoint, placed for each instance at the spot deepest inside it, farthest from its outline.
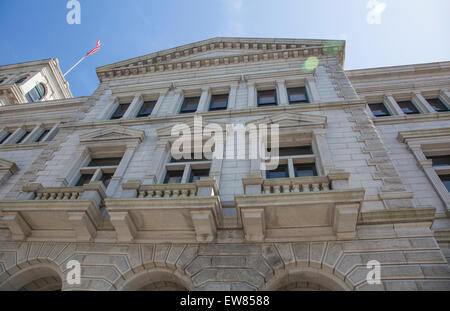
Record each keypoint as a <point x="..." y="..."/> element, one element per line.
<point x="332" y="47"/>
<point x="310" y="64"/>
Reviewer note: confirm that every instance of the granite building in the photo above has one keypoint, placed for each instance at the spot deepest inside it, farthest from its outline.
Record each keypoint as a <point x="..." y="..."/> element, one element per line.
<point x="363" y="173"/>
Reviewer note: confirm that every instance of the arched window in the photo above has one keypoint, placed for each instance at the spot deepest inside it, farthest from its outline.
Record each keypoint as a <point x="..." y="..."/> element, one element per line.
<point x="2" y="80"/>
<point x="36" y="93"/>
<point x="20" y="80"/>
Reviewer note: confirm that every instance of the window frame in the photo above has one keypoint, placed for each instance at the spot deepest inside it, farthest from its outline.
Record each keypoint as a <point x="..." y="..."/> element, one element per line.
<point x="403" y="102"/>
<point x="388" y="113"/>
<point x="440" y="103"/>
<point x="275" y="96"/>
<point x="220" y="108"/>
<point x="140" y="114"/>
<point x="183" y="109"/>
<point x="297" y="102"/>
<point x="119" y="106"/>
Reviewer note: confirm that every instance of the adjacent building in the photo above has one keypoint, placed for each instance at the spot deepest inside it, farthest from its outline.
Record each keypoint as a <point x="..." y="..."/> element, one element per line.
<point x="363" y="175"/>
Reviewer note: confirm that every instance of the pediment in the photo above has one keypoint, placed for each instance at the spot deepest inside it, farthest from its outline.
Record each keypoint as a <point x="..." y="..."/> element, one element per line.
<point x="290" y="120"/>
<point x="165" y="132"/>
<point x="6" y="165"/>
<point x="222" y="51"/>
<point x="117" y="133"/>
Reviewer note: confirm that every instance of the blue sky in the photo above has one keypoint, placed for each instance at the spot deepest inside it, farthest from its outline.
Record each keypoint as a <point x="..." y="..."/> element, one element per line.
<point x="411" y="31"/>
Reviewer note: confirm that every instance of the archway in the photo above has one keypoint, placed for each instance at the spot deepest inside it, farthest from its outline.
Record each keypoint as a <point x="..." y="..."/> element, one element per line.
<point x="306" y="279"/>
<point x="34" y="278"/>
<point x="156" y="280"/>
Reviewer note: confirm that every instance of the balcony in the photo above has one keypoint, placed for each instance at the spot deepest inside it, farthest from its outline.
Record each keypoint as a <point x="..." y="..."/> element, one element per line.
<point x="56" y="213"/>
<point x="167" y="212"/>
<point x="287" y="208"/>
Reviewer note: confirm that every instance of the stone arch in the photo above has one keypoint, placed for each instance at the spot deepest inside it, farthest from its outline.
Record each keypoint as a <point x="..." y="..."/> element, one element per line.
<point x="36" y="277"/>
<point x="157" y="279"/>
<point x="305" y="279"/>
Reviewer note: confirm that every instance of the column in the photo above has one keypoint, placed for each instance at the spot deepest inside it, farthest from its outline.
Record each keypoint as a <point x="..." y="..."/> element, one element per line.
<point x="52" y="133"/>
<point x="159" y="103"/>
<point x="445" y="97"/>
<point x="158" y="164"/>
<point x="422" y="103"/>
<point x="252" y="101"/>
<point x="109" y="109"/>
<point x="311" y="88"/>
<point x="34" y="135"/>
<point x="115" y="180"/>
<point x="179" y="97"/>
<point x="15" y="136"/>
<point x="134" y="107"/>
<point x="205" y="98"/>
<point x="3" y="133"/>
<point x="232" y="96"/>
<point x="282" y="93"/>
<point x="392" y="106"/>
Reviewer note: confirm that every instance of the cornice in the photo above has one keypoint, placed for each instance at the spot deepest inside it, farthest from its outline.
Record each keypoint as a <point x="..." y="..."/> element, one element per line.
<point x="44" y="105"/>
<point x="254" y="50"/>
<point x="417" y="118"/>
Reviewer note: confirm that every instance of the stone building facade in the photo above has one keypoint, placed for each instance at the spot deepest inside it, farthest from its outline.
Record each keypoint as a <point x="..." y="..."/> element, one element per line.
<point x="363" y="174"/>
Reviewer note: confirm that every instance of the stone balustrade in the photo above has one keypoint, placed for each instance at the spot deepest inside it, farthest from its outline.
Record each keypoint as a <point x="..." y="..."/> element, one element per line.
<point x="203" y="187"/>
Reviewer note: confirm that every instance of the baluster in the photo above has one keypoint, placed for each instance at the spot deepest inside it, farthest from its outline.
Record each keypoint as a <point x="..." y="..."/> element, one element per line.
<point x="158" y="193"/>
<point x="141" y="194"/>
<point x="184" y="192"/>
<point x="295" y="188"/>
<point x="276" y="189"/>
<point x="326" y="186"/>
<point x="285" y="188"/>
<point x="46" y="195"/>
<point x="149" y="193"/>
<point x="74" y="196"/>
<point x="60" y="196"/>
<point x="266" y="189"/>
<point x="305" y="188"/>
<point x="176" y="193"/>
<point x="167" y="193"/>
<point x="315" y="187"/>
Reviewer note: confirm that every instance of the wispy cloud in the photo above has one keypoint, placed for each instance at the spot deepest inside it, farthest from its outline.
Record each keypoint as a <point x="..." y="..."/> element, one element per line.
<point x="235" y="25"/>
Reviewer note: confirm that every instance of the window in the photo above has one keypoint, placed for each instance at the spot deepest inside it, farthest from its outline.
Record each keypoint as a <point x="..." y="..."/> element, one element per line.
<point x="197" y="174"/>
<point x="379" y="110"/>
<point x="304" y="170"/>
<point x="42" y="136"/>
<point x="446" y="181"/>
<point x="23" y="137"/>
<point x="281" y="171"/>
<point x="2" y="80"/>
<point x="440" y="160"/>
<point x="408" y="107"/>
<point x="5" y="138"/>
<point x="294" y="151"/>
<point x="267" y="98"/>
<point x="218" y="102"/>
<point x="173" y="177"/>
<point x="120" y="111"/>
<point x="36" y="93"/>
<point x="20" y="80"/>
<point x="102" y="169"/>
<point x="190" y="105"/>
<point x="437" y="105"/>
<point x="146" y="109"/>
<point x="297" y="95"/>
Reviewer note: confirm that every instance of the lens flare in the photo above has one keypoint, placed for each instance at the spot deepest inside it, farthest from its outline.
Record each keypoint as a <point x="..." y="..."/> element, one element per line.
<point x="310" y="64"/>
<point x="332" y="47"/>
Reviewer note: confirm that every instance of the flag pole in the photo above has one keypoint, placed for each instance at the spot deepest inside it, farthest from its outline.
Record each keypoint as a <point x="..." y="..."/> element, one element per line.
<point x="75" y="65"/>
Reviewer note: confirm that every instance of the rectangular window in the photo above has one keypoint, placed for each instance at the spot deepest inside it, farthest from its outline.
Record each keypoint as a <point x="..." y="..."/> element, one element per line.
<point x="446" y="181"/>
<point x="187" y="159"/>
<point x="42" y="136"/>
<point x="437" y="105"/>
<point x="173" y="177"/>
<point x="304" y="170"/>
<point x="294" y="151"/>
<point x="84" y="179"/>
<point x="146" y="109"/>
<point x="190" y="105"/>
<point x="281" y="172"/>
<point x="379" y="110"/>
<point x="408" y="107"/>
<point x="106" y="178"/>
<point x="218" y="102"/>
<point x="105" y="162"/>
<point x="297" y="95"/>
<point x="440" y="160"/>
<point x="197" y="174"/>
<point x="5" y="138"/>
<point x="23" y="137"/>
<point x="120" y="111"/>
<point x="267" y="98"/>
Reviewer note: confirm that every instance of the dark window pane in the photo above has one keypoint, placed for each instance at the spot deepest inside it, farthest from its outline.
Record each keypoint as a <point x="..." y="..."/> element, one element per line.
<point x="297" y="95"/>
<point x="408" y="107"/>
<point x="197" y="174"/>
<point x="218" y="102"/>
<point x="440" y="160"/>
<point x="280" y="172"/>
<point x="23" y="137"/>
<point x="446" y="181"/>
<point x="437" y="104"/>
<point x="173" y="177"/>
<point x="120" y="111"/>
<point x="105" y="162"/>
<point x="294" y="151"/>
<point x="42" y="136"/>
<point x="84" y="179"/>
<point x="106" y="178"/>
<point x="5" y="138"/>
<point x="146" y="109"/>
<point x="379" y="110"/>
<point x="303" y="170"/>
<point x="20" y="80"/>
<point x="190" y="105"/>
<point x="29" y="98"/>
<point x="267" y="98"/>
